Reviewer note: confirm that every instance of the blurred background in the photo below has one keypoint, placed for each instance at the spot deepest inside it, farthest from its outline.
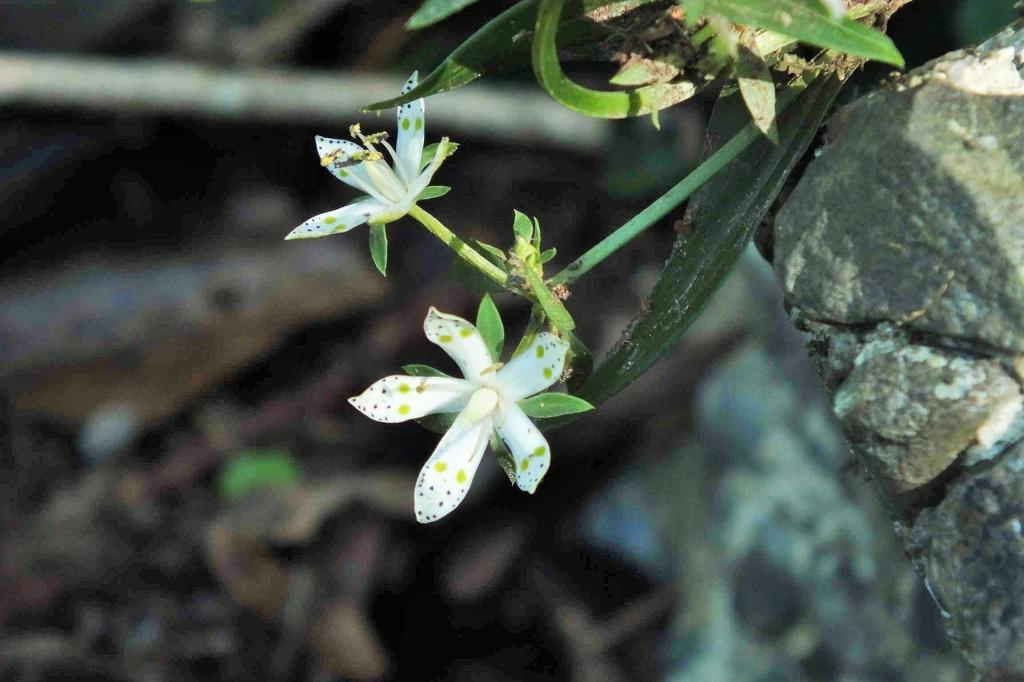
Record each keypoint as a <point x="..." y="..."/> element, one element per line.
<point x="184" y="492"/>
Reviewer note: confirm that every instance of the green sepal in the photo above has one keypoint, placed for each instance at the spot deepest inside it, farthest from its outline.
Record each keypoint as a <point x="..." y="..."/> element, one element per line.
<point x="490" y="326"/>
<point x="546" y="405"/>
<point x="417" y="370"/>
<point x="430" y="151"/>
<point x="494" y="253"/>
<point x="433" y="192"/>
<point x="379" y="247"/>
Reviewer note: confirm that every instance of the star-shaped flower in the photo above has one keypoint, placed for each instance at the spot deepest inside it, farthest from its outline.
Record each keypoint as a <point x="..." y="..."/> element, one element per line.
<point x="390" y="192"/>
<point x="486" y="402"/>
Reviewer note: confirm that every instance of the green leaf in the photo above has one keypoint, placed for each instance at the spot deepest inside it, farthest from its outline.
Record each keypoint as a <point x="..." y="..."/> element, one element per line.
<point x="699" y="264"/>
<point x="490" y="326"/>
<point x="599" y="104"/>
<point x="522" y="225"/>
<point x="253" y="469"/>
<point x="433" y="11"/>
<point x="758" y="91"/>
<point x="552" y="307"/>
<point x="553" y="405"/>
<point x="475" y="281"/>
<point x="438" y="423"/>
<point x="495" y="254"/>
<point x="430" y="151"/>
<point x="417" y="370"/>
<point x="505" y="458"/>
<point x="503" y="44"/>
<point x="536" y="233"/>
<point x="433" y="192"/>
<point x="810" y="22"/>
<point x="548" y="255"/>
<point x="379" y="247"/>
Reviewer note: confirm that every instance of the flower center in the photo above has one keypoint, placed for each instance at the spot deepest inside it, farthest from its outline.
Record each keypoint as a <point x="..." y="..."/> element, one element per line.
<point x="481" y="403"/>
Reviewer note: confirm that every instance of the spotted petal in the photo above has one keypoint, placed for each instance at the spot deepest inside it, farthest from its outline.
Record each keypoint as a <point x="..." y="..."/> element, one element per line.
<point x="533" y="370"/>
<point x="339" y="220"/>
<point x="527" y="444"/>
<point x="400" y="398"/>
<point x="460" y="340"/>
<point x="336" y="156"/>
<point x="444" y="480"/>
<point x="409" y="146"/>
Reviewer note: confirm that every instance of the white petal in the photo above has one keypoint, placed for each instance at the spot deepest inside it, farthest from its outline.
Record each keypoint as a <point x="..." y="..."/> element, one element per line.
<point x="400" y="398"/>
<point x="411" y="130"/>
<point x="337" y="154"/>
<point x="339" y="220"/>
<point x="527" y="444"/>
<point x="533" y="370"/>
<point x="444" y="480"/>
<point x="460" y="340"/>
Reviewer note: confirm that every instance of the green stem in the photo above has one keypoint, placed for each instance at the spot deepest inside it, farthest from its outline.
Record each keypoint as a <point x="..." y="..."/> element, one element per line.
<point x="665" y="203"/>
<point x="461" y="248"/>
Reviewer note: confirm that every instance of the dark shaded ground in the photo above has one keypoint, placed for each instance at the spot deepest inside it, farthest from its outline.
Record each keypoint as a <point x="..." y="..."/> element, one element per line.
<point x="154" y="329"/>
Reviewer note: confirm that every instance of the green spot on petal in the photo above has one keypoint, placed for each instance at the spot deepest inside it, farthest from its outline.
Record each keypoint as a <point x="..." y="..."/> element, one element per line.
<point x="540" y="351"/>
<point x="329" y="219"/>
<point x="461" y="476"/>
<point x="405" y="124"/>
<point x="445" y="338"/>
<point x="524" y="465"/>
<point x="403" y="409"/>
<point x="419" y="124"/>
<point x="440" y="467"/>
<point x="404" y="388"/>
<point x="465" y="332"/>
<point x="547" y="372"/>
<point x="538" y="451"/>
<point x="343" y="173"/>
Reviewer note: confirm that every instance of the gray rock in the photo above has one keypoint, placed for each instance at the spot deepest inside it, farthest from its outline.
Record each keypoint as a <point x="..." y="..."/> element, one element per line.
<point x="911" y="409"/>
<point x="922" y="178"/>
<point x="971" y="547"/>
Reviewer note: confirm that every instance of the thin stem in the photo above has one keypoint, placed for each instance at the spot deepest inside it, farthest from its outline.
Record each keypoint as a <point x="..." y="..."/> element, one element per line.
<point x="665" y="203"/>
<point x="461" y="248"/>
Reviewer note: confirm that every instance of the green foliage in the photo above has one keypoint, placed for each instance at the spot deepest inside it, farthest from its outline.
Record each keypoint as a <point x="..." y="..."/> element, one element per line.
<point x="417" y="370"/>
<point x="490" y="326"/>
<point x="379" y="247"/>
<point x="433" y="11"/>
<point x="433" y="192"/>
<point x="808" y="21"/>
<point x="599" y="104"/>
<point x="252" y="469"/>
<point x="758" y="91"/>
<point x="471" y="278"/>
<point x="699" y="264"/>
<point x="505" y="458"/>
<point x="549" y="303"/>
<point x="503" y="44"/>
<point x="546" y="405"/>
<point x="522" y="226"/>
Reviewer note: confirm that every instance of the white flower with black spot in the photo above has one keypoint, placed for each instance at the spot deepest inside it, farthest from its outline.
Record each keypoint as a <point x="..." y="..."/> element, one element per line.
<point x="485" y="400"/>
<point x="390" y="192"/>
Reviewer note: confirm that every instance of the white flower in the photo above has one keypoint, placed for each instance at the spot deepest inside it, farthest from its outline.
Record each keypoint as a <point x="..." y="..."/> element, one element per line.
<point x="485" y="400"/>
<point x="390" y="192"/>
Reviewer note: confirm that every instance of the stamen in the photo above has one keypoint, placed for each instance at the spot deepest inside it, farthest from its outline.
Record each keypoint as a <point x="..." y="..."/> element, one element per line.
<point x="493" y="368"/>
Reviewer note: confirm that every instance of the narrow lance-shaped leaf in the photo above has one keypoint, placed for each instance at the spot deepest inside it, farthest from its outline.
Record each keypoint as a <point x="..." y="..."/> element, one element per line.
<point x="379" y="247"/>
<point x="503" y="44"/>
<point x="810" y="22"/>
<point x="600" y="104"/>
<point x="548" y="405"/>
<point x="699" y="264"/>
<point x="490" y="326"/>
<point x="433" y="11"/>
